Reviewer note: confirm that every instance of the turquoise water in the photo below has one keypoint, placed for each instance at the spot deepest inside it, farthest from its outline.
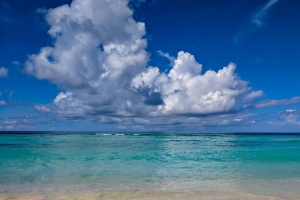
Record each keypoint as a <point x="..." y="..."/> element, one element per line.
<point x="256" y="164"/>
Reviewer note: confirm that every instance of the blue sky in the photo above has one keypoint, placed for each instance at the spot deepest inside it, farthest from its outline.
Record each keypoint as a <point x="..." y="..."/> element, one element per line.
<point x="153" y="65"/>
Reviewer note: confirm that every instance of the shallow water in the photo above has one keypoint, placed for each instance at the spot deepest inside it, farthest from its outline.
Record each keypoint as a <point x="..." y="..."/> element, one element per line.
<point x="144" y="165"/>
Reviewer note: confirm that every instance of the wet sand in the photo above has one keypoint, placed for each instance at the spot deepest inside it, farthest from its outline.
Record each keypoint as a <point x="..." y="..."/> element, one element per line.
<point x="141" y="195"/>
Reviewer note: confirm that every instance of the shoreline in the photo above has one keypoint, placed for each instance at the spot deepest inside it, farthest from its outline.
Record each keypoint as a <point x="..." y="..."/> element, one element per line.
<point x="143" y="195"/>
<point x="247" y="190"/>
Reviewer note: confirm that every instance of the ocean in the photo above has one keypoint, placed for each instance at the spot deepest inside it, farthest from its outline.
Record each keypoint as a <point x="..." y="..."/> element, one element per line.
<point x="52" y="165"/>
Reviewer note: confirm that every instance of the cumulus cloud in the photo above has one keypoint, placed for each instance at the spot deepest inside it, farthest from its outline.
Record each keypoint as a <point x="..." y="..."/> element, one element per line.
<point x="184" y="90"/>
<point x="98" y="49"/>
<point x="43" y="109"/>
<point x="99" y="60"/>
<point x="3" y="72"/>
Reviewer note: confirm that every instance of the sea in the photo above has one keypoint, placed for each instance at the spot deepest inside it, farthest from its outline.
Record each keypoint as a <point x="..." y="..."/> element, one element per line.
<point x="96" y="165"/>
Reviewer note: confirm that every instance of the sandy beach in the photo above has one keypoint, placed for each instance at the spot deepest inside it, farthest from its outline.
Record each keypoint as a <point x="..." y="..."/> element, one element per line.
<point x="143" y="195"/>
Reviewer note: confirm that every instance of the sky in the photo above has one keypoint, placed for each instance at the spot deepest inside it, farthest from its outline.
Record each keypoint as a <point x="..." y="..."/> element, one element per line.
<point x="150" y="65"/>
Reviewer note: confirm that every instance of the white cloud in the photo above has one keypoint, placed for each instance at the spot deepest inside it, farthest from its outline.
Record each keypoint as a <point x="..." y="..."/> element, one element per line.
<point x="184" y="90"/>
<point x="290" y="110"/>
<point x="99" y="60"/>
<point x="185" y="67"/>
<point x="290" y="116"/>
<point x="16" y="63"/>
<point x="146" y="78"/>
<point x="8" y="124"/>
<point x="121" y="127"/>
<point x="254" y="95"/>
<point x="3" y="72"/>
<point x="273" y="102"/>
<point x="16" y="123"/>
<point x="192" y="123"/>
<point x="166" y="55"/>
<point x="237" y="120"/>
<point x="61" y="96"/>
<point x="43" y="109"/>
<point x="292" y="119"/>
<point x="256" y="22"/>
<point x="2" y="103"/>
<point x="259" y="15"/>
<point x="95" y="40"/>
<point x="98" y="50"/>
